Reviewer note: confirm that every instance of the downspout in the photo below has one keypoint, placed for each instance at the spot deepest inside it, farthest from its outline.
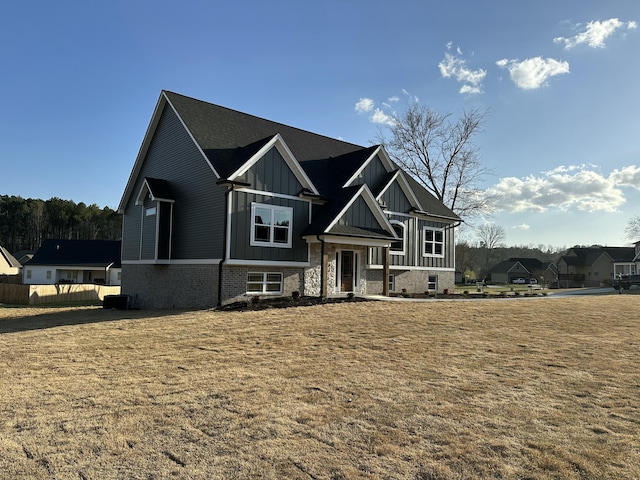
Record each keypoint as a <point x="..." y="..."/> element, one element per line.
<point x="322" y="272"/>
<point x="107" y="278"/>
<point x="224" y="243"/>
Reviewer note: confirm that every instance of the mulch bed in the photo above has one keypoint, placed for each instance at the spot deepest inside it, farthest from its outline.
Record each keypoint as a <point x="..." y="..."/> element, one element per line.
<point x="286" y="302"/>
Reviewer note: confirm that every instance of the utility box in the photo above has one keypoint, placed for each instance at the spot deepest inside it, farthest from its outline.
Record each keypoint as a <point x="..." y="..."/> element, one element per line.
<point x="117" y="302"/>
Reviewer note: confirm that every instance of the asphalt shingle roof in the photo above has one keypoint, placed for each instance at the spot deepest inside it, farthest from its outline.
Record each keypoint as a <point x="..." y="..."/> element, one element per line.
<point x="229" y="138"/>
<point x="78" y="252"/>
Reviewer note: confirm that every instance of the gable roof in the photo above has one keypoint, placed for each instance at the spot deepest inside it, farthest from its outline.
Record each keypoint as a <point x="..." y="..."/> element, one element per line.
<point x="8" y="259"/>
<point x="231" y="141"/>
<point x="584" y="256"/>
<point x="88" y="253"/>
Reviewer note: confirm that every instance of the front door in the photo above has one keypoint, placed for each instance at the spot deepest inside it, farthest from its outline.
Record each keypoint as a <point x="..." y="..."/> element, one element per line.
<point x="346" y="271"/>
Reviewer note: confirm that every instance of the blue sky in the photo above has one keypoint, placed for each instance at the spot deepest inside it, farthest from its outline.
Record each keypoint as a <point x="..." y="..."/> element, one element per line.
<point x="80" y="80"/>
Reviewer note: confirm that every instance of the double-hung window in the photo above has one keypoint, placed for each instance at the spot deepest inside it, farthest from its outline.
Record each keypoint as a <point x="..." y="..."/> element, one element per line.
<point x="271" y="225"/>
<point x="433" y="242"/>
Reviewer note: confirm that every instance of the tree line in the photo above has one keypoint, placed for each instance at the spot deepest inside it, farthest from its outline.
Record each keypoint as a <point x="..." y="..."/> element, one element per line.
<point x="25" y="223"/>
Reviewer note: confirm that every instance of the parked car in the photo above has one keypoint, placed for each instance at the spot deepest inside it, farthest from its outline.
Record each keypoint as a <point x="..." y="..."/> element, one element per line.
<point x="533" y="281"/>
<point x="519" y="280"/>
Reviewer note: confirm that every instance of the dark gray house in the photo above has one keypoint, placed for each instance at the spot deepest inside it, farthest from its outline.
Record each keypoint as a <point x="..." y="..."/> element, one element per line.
<point x="221" y="205"/>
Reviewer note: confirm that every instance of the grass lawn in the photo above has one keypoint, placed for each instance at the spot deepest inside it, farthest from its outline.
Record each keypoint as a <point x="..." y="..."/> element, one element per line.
<point x="540" y="388"/>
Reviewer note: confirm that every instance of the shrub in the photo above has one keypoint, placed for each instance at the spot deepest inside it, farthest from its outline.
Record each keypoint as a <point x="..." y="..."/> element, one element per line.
<point x="295" y="295"/>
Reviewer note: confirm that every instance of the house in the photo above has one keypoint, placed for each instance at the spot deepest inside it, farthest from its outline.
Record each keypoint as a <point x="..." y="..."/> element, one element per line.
<point x="74" y="261"/>
<point x="523" y="268"/>
<point x="8" y="264"/>
<point x="221" y="205"/>
<point x="595" y="266"/>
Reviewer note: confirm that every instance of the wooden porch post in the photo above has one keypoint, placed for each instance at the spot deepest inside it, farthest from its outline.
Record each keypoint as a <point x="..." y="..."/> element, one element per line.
<point x="385" y="272"/>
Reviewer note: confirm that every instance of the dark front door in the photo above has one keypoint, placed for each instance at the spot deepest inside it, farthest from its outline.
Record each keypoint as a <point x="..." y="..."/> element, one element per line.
<point x="346" y="271"/>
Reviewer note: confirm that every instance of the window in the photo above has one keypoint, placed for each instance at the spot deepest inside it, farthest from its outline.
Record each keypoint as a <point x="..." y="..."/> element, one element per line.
<point x="433" y="242"/>
<point x="264" y="282"/>
<point x="48" y="274"/>
<point x="432" y="283"/>
<point x="397" y="247"/>
<point x="28" y="273"/>
<point x="392" y="283"/>
<point x="271" y="225"/>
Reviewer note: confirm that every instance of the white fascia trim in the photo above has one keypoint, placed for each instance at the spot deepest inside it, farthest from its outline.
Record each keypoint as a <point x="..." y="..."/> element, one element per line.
<point x="146" y="141"/>
<point x="192" y="137"/>
<point x="143" y="191"/>
<point x="201" y="261"/>
<point x="345" y="240"/>
<point x="266" y="263"/>
<point x="271" y="194"/>
<point x="278" y="142"/>
<point x="404" y="186"/>
<point x="518" y="263"/>
<point x="373" y="206"/>
<point x="400" y="267"/>
<point x="385" y="161"/>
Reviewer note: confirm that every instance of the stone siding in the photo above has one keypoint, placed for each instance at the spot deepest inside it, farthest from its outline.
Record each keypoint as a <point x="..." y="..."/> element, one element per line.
<point x="171" y="286"/>
<point x="416" y="281"/>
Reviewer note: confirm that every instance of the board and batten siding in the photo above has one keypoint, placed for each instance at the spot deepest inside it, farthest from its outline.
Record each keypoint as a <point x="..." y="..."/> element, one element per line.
<point x="373" y="174"/>
<point x="240" y="245"/>
<point x="272" y="174"/>
<point x="359" y="215"/>
<point x="198" y="212"/>
<point x="414" y="236"/>
<point x="395" y="199"/>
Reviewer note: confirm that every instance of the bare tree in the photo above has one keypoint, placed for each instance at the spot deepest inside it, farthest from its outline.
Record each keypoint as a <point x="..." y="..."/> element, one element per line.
<point x="632" y="230"/>
<point x="491" y="236"/>
<point x="440" y="153"/>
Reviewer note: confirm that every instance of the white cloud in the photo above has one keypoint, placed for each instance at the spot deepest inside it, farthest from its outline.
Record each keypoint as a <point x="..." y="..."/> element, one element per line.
<point x="380" y="117"/>
<point x="566" y="188"/>
<point x="595" y="33"/>
<point x="364" y="105"/>
<point x="522" y="226"/>
<point x="393" y="99"/>
<point x="453" y="65"/>
<point x="627" y="177"/>
<point x="533" y="73"/>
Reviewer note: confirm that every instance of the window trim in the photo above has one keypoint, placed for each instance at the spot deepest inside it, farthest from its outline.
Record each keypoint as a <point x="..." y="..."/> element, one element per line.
<point x="264" y="283"/>
<point x="403" y="238"/>
<point x="271" y="243"/>
<point x="391" y="280"/>
<point x="433" y="242"/>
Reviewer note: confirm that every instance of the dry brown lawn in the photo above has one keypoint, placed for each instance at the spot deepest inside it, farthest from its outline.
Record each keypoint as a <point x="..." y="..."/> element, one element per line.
<point x="544" y="388"/>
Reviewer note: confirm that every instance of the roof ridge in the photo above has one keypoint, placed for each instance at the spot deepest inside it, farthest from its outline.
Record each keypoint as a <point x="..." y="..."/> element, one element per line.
<point x="263" y="119"/>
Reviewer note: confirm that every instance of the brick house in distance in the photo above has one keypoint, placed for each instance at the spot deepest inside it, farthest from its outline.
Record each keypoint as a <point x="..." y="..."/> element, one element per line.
<point x="221" y="205"/>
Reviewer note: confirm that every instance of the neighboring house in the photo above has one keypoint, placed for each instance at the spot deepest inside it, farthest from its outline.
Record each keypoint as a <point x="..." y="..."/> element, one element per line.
<point x="8" y="264"/>
<point x="595" y="266"/>
<point x="221" y="205"/>
<point x="74" y="261"/>
<point x="509" y="270"/>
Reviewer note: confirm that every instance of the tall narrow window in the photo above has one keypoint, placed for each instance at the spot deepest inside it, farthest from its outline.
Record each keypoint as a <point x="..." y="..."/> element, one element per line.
<point x="433" y="242"/>
<point x="397" y="247"/>
<point x="271" y="225"/>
